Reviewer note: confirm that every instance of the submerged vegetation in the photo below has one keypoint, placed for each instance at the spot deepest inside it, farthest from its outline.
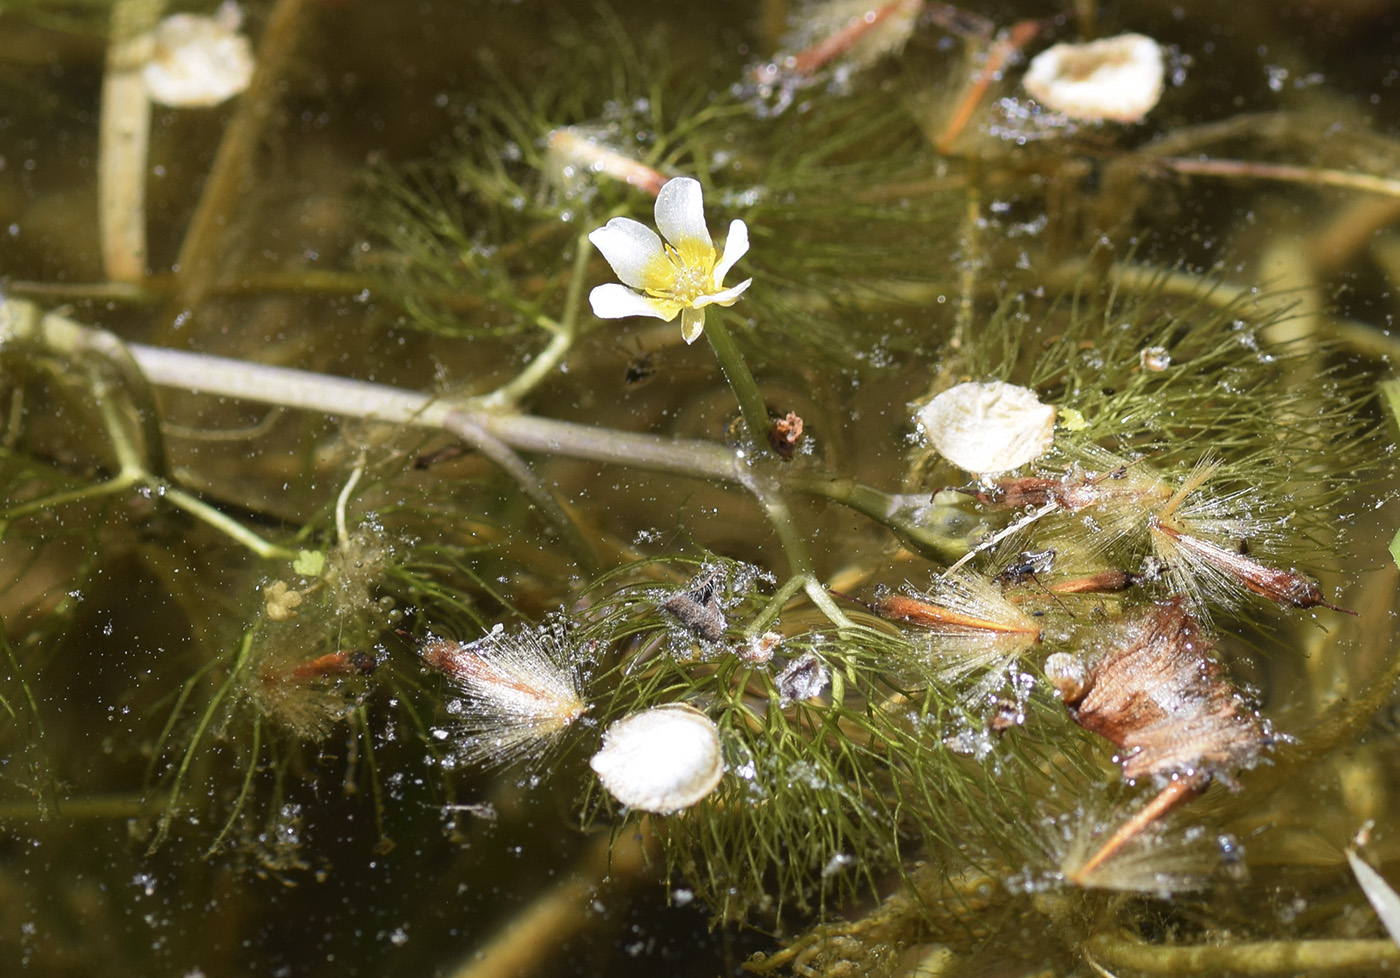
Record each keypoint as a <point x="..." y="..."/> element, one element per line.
<point x="382" y="576"/>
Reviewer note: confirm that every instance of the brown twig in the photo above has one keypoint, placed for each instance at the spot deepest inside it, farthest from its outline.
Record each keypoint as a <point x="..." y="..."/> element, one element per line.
<point x="198" y="261"/>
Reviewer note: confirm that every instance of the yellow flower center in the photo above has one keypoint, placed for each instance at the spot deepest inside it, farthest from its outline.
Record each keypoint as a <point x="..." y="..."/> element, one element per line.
<point x="682" y="273"/>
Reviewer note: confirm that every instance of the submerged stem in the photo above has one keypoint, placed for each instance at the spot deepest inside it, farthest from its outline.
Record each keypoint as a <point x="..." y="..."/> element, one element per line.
<point x="124" y="140"/>
<point x="932" y="527"/>
<point x="566" y="333"/>
<point x="741" y="381"/>
<point x="1121" y="953"/>
<point x="197" y="265"/>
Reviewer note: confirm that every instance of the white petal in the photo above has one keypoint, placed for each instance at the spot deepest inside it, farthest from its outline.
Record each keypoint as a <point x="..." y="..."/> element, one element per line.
<point x="735" y="247"/>
<point x="726" y="298"/>
<point x="629" y="247"/>
<point x="613" y="301"/>
<point x="692" y="323"/>
<point x="1118" y="78"/>
<point x="680" y="212"/>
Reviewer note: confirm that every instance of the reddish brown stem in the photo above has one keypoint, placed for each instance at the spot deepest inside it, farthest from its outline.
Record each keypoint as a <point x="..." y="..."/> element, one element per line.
<point x="1175" y="793"/>
<point x="937" y="617"/>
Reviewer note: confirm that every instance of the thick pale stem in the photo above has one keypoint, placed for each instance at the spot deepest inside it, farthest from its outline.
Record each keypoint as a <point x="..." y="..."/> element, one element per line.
<point x="1122" y="954"/>
<point x="124" y="140"/>
<point x="925" y="524"/>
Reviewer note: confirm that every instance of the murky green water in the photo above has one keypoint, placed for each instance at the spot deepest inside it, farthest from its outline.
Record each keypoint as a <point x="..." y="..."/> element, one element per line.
<point x="221" y="751"/>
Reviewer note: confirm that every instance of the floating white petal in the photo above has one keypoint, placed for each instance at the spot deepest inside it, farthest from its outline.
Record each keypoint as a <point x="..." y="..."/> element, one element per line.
<point x="680" y="212"/>
<point x="988" y="428"/>
<point x="630" y="248"/>
<point x="736" y="246"/>
<point x="613" y="301"/>
<point x="199" y="61"/>
<point x="660" y="760"/>
<point x="726" y="298"/>
<point x="1117" y="78"/>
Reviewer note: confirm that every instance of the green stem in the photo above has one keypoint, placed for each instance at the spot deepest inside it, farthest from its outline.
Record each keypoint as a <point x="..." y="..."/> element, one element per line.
<point x="226" y="525"/>
<point x="936" y="529"/>
<point x="799" y="558"/>
<point x="252" y="769"/>
<point x="826" y="604"/>
<point x="115" y="806"/>
<point x="775" y="605"/>
<point x="566" y="333"/>
<point x="741" y="381"/>
<point x="1262" y="958"/>
<point x="111" y="487"/>
<point x="205" y="720"/>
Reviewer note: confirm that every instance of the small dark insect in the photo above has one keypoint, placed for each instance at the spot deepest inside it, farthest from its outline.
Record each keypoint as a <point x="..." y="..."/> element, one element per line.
<point x="441" y="455"/>
<point x="1026" y="566"/>
<point x="639" y="370"/>
<point x="698" y="609"/>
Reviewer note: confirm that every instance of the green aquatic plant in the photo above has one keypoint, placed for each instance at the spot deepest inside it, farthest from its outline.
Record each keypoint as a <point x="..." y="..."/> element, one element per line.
<point x="427" y="623"/>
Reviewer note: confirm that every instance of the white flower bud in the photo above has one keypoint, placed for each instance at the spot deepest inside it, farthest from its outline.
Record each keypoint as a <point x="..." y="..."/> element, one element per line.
<point x="660" y="760"/>
<point x="988" y="428"/>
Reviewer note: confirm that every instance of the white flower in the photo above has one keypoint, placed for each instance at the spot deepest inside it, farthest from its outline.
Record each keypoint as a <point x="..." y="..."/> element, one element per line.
<point x="679" y="275"/>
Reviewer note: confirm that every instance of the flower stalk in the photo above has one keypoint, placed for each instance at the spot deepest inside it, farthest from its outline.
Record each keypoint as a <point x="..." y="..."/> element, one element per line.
<point x="736" y="372"/>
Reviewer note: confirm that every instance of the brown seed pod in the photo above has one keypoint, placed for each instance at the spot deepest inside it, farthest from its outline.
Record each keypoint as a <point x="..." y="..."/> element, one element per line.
<point x="521" y="692"/>
<point x="1158" y="696"/>
<point x="963" y="604"/>
<point x="1287" y="588"/>
<point x="969" y="626"/>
